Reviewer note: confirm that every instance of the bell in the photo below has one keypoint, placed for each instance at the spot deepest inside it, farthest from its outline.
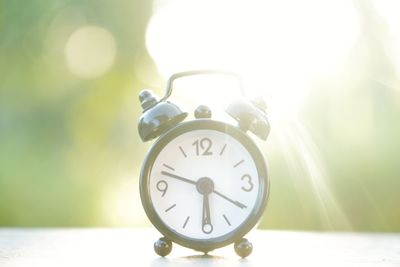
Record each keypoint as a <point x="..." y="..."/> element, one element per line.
<point x="158" y="116"/>
<point x="251" y="117"/>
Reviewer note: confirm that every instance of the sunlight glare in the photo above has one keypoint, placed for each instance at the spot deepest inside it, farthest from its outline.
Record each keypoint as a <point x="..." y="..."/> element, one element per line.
<point x="389" y="12"/>
<point x="305" y="164"/>
<point x="275" y="46"/>
<point x="278" y="48"/>
<point x="213" y="90"/>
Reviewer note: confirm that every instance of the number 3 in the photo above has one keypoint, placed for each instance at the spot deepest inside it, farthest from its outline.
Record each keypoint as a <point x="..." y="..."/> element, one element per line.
<point x="250" y="184"/>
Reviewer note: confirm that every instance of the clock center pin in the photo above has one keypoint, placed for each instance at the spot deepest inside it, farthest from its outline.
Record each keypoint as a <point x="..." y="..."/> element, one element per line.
<point x="205" y="186"/>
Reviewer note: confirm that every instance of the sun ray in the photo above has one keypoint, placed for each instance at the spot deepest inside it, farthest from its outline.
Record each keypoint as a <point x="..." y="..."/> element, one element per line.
<point x="303" y="158"/>
<point x="276" y="58"/>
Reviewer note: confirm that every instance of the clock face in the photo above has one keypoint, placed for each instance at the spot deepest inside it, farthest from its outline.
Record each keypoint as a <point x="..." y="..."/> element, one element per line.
<point x="204" y="184"/>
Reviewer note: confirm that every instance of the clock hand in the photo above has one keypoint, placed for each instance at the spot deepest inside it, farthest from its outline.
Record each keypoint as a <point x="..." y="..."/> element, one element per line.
<point x="206" y="221"/>
<point x="237" y="203"/>
<point x="178" y="177"/>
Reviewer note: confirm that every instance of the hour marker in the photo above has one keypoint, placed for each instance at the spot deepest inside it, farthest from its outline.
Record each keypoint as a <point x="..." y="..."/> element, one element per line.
<point x="237" y="164"/>
<point x="169" y="167"/>
<point x="186" y="221"/>
<point x="222" y="150"/>
<point x="183" y="152"/>
<point x="173" y="206"/>
<point x="226" y="219"/>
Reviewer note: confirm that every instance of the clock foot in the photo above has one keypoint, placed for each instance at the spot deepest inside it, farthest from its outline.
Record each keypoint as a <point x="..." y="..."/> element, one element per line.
<point x="163" y="246"/>
<point x="243" y="248"/>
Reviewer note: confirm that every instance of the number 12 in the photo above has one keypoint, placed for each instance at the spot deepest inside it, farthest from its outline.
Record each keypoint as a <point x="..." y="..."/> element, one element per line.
<point x="204" y="144"/>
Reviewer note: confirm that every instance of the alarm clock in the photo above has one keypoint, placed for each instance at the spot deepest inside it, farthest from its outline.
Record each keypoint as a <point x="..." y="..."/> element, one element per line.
<point x="204" y="183"/>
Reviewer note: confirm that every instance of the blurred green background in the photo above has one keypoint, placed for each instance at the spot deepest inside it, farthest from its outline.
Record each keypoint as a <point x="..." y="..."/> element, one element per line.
<point x="70" y="72"/>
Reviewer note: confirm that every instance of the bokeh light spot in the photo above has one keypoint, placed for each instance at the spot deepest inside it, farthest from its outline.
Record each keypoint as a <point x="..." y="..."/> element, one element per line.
<point x="90" y="52"/>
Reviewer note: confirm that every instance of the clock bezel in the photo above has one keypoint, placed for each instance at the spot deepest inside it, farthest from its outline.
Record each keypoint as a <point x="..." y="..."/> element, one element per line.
<point x="205" y="245"/>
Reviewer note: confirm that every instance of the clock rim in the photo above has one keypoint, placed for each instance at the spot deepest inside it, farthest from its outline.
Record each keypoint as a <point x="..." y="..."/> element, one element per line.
<point x="205" y="245"/>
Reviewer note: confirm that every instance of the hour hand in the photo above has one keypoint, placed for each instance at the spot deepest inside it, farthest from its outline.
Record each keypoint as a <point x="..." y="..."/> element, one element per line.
<point x="183" y="179"/>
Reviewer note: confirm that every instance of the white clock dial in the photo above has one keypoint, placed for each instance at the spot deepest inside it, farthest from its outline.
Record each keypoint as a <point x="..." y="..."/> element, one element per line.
<point x="203" y="184"/>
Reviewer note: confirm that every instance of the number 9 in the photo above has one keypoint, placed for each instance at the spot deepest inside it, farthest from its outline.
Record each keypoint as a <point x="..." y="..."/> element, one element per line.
<point x="162" y="186"/>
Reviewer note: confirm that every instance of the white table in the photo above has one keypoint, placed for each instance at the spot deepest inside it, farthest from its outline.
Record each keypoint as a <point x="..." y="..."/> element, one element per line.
<point x="134" y="248"/>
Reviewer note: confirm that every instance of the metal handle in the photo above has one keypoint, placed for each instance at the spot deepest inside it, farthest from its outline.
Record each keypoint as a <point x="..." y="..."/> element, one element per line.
<point x="178" y="75"/>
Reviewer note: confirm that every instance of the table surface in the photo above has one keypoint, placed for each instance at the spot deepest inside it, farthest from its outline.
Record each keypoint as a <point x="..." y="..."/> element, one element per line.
<point x="134" y="247"/>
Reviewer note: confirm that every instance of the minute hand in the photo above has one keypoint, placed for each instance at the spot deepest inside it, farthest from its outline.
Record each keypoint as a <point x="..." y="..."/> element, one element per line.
<point x="183" y="179"/>
<point x="237" y="203"/>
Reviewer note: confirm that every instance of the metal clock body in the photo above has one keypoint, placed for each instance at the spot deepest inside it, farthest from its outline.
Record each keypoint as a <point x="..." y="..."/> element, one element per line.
<point x="204" y="184"/>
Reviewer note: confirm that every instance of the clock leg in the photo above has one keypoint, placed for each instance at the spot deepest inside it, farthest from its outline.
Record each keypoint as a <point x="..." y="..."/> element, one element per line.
<point x="163" y="246"/>
<point x="243" y="248"/>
